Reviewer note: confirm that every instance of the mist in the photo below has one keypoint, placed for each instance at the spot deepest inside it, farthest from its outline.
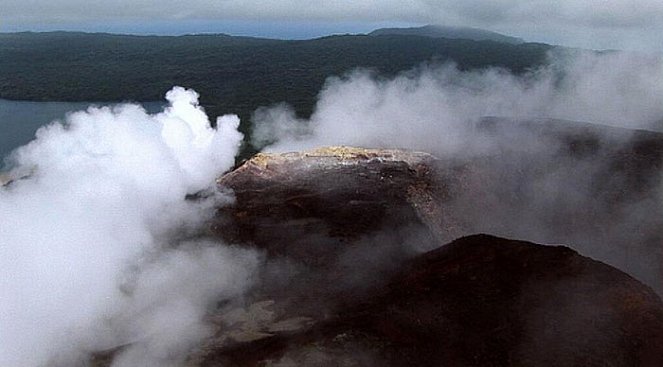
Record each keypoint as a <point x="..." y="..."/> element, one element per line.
<point x="511" y="138"/>
<point x="100" y="249"/>
<point x="103" y="241"/>
<point x="432" y="108"/>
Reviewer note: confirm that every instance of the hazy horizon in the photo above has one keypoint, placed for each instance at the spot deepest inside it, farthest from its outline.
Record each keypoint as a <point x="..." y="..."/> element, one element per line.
<point x="614" y="24"/>
<point x="300" y="30"/>
<point x="287" y="31"/>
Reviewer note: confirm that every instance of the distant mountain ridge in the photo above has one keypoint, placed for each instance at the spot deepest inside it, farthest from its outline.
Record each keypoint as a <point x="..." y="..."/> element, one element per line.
<point x="436" y="31"/>
<point x="232" y="74"/>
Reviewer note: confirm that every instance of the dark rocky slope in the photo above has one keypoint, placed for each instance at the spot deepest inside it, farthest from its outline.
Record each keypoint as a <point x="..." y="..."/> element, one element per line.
<point x="596" y="188"/>
<point x="479" y="301"/>
<point x="359" y="270"/>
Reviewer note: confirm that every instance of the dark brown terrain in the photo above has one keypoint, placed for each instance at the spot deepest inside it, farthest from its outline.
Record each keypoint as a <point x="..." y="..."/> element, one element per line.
<point x="478" y="301"/>
<point x="370" y="258"/>
<point x="337" y="193"/>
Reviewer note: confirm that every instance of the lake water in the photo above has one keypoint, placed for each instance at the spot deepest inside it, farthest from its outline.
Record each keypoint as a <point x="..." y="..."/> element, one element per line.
<point x="19" y="120"/>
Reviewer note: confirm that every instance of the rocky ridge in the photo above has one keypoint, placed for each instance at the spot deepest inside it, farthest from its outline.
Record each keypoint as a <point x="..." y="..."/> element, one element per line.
<point x="477" y="301"/>
<point x="360" y="270"/>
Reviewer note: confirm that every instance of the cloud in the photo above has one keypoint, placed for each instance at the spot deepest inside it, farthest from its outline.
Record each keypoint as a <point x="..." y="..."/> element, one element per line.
<point x="593" y="12"/>
<point x="99" y="247"/>
<point x="431" y="108"/>
<point x="612" y="13"/>
<point x="563" y="21"/>
<point x="522" y="181"/>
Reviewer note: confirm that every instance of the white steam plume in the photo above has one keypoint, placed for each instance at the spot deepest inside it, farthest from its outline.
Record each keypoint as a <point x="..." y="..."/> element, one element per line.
<point x="430" y="109"/>
<point x="94" y="252"/>
<point x="532" y="188"/>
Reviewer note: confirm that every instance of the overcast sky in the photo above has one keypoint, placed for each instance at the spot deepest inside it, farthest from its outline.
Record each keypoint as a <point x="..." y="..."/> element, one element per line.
<point x="629" y="24"/>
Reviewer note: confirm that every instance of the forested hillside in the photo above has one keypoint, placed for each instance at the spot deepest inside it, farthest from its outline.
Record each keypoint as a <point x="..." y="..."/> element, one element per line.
<point x="232" y="74"/>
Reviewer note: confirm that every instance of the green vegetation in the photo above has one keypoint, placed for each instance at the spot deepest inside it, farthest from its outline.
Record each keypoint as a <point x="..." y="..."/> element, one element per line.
<point x="232" y="74"/>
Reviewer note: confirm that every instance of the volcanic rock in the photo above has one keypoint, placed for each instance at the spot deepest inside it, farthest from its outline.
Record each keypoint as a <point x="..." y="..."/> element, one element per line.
<point x="358" y="272"/>
<point x="597" y="188"/>
<point x="479" y="301"/>
<point x="337" y="194"/>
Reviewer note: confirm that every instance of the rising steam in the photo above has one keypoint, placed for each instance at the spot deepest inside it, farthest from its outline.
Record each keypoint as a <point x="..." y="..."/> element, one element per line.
<point x="98" y="245"/>
<point x="100" y="241"/>
<point x="526" y="186"/>
<point x="433" y="108"/>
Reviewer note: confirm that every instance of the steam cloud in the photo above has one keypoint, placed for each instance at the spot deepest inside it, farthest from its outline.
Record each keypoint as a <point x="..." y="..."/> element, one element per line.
<point x="432" y="108"/>
<point x="527" y="187"/>
<point x="101" y="250"/>
<point x="98" y="245"/>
